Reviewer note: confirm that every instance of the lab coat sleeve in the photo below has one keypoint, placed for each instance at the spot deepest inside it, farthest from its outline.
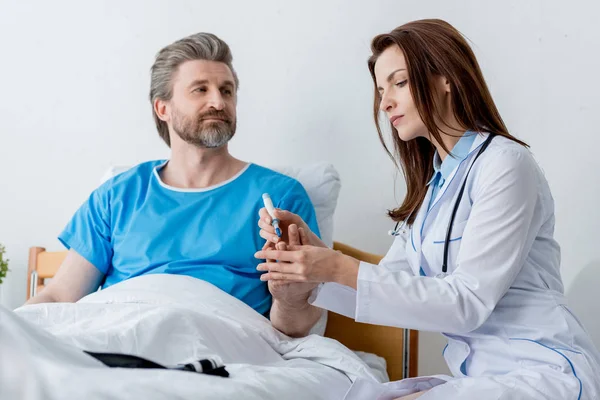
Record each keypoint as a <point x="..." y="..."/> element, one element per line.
<point x="504" y="220"/>
<point x="342" y="299"/>
<point x="395" y="259"/>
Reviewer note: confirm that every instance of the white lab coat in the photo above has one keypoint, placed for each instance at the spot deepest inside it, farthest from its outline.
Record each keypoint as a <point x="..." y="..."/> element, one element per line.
<point x="510" y="333"/>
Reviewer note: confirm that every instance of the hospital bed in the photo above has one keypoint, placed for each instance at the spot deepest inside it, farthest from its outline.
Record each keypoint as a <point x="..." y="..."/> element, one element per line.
<point x="399" y="347"/>
<point x="107" y="319"/>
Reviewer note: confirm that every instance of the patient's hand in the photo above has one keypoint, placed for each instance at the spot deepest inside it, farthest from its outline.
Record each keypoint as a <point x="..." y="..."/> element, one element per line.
<point x="290" y="312"/>
<point x="291" y="294"/>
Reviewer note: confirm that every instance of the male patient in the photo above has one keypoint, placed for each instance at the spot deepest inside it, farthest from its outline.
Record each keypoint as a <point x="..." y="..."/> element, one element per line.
<point x="194" y="214"/>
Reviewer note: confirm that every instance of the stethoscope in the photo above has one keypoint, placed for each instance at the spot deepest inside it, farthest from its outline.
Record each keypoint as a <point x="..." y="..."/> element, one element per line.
<point x="400" y="228"/>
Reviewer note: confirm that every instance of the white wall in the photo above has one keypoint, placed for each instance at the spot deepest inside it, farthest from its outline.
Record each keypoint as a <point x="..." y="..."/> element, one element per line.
<point x="74" y="83"/>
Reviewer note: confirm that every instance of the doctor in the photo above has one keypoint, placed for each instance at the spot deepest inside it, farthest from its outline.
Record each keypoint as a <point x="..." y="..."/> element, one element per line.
<point x="478" y="260"/>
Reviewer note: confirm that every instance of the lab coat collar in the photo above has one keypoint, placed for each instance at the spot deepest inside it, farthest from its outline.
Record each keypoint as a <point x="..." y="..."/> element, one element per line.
<point x="477" y="140"/>
<point x="458" y="153"/>
<point x="418" y="228"/>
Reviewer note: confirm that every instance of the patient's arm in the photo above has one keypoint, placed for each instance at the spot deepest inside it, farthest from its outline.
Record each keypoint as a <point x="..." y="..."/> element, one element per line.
<point x="294" y="319"/>
<point x="75" y="278"/>
<point x="290" y="312"/>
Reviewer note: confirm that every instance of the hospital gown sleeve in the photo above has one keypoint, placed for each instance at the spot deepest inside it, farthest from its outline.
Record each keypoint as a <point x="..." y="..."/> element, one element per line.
<point x="505" y="218"/>
<point x="89" y="231"/>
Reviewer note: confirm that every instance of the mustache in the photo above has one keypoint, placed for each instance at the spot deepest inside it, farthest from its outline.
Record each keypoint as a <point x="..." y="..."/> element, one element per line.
<point x="219" y="114"/>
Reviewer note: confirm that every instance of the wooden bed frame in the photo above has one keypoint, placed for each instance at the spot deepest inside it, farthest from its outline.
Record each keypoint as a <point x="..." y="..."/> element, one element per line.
<point x="398" y="346"/>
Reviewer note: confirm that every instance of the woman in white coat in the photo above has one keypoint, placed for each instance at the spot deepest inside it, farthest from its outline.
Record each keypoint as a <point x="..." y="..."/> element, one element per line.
<point x="496" y="292"/>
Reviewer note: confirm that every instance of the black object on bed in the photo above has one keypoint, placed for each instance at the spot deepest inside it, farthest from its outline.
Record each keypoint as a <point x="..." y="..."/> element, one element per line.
<point x="205" y="366"/>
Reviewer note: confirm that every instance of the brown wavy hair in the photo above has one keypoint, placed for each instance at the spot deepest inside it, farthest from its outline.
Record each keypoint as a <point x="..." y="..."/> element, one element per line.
<point x="434" y="48"/>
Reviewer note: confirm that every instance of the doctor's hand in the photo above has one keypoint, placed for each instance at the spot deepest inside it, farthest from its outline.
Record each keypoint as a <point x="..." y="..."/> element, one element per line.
<point x="308" y="264"/>
<point x="286" y="220"/>
<point x="291" y="294"/>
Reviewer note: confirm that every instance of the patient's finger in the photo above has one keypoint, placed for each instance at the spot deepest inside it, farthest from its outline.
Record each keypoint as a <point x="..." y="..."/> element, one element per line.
<point x="279" y="246"/>
<point x="294" y="237"/>
<point x="303" y="236"/>
<point x="269" y="245"/>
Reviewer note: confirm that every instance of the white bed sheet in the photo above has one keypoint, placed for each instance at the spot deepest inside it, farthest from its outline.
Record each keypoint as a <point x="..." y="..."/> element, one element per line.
<point x="168" y="319"/>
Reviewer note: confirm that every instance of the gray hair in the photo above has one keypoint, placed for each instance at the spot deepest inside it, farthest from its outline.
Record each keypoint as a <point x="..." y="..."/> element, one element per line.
<point x="200" y="46"/>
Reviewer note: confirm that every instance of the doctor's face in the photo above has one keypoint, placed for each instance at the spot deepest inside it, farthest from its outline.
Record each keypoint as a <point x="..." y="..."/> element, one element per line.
<point x="391" y="75"/>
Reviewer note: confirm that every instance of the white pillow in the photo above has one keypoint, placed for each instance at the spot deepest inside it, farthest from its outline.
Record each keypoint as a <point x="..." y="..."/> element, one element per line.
<point x="320" y="180"/>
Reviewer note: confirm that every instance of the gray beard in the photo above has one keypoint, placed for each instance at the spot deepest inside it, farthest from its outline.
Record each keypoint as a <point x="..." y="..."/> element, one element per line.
<point x="209" y="135"/>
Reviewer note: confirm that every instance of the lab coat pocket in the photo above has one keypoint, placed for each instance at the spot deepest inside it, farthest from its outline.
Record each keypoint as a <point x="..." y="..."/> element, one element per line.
<point x="456" y="234"/>
<point x="436" y="247"/>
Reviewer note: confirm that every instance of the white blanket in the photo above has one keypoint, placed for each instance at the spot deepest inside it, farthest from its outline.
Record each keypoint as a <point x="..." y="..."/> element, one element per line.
<point x="168" y="319"/>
